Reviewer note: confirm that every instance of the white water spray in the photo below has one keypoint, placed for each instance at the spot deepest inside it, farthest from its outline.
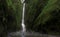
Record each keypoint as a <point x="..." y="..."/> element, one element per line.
<point x="23" y="25"/>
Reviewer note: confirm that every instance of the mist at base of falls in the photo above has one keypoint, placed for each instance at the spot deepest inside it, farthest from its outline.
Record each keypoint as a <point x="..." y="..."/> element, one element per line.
<point x="29" y="34"/>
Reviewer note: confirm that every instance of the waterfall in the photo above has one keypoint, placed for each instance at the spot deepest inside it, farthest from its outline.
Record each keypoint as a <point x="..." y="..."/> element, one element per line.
<point x="23" y="25"/>
<point x="22" y="33"/>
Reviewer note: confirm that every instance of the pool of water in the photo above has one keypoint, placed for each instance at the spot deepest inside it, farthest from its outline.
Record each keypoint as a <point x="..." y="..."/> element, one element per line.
<point x="29" y="34"/>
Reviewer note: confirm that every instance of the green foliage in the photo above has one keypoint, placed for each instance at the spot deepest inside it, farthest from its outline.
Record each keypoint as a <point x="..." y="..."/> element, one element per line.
<point x="10" y="16"/>
<point x="40" y="12"/>
<point x="46" y="12"/>
<point x="16" y="7"/>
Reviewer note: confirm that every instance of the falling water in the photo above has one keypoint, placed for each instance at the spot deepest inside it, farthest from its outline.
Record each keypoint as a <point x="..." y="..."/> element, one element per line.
<point x="23" y="25"/>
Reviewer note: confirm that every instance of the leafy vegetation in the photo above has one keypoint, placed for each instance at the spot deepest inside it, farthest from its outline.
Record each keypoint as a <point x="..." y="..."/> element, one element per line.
<point x="10" y="16"/>
<point x="43" y="16"/>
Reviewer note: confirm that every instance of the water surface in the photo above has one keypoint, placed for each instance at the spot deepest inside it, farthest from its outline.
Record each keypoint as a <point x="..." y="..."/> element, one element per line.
<point x="30" y="34"/>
